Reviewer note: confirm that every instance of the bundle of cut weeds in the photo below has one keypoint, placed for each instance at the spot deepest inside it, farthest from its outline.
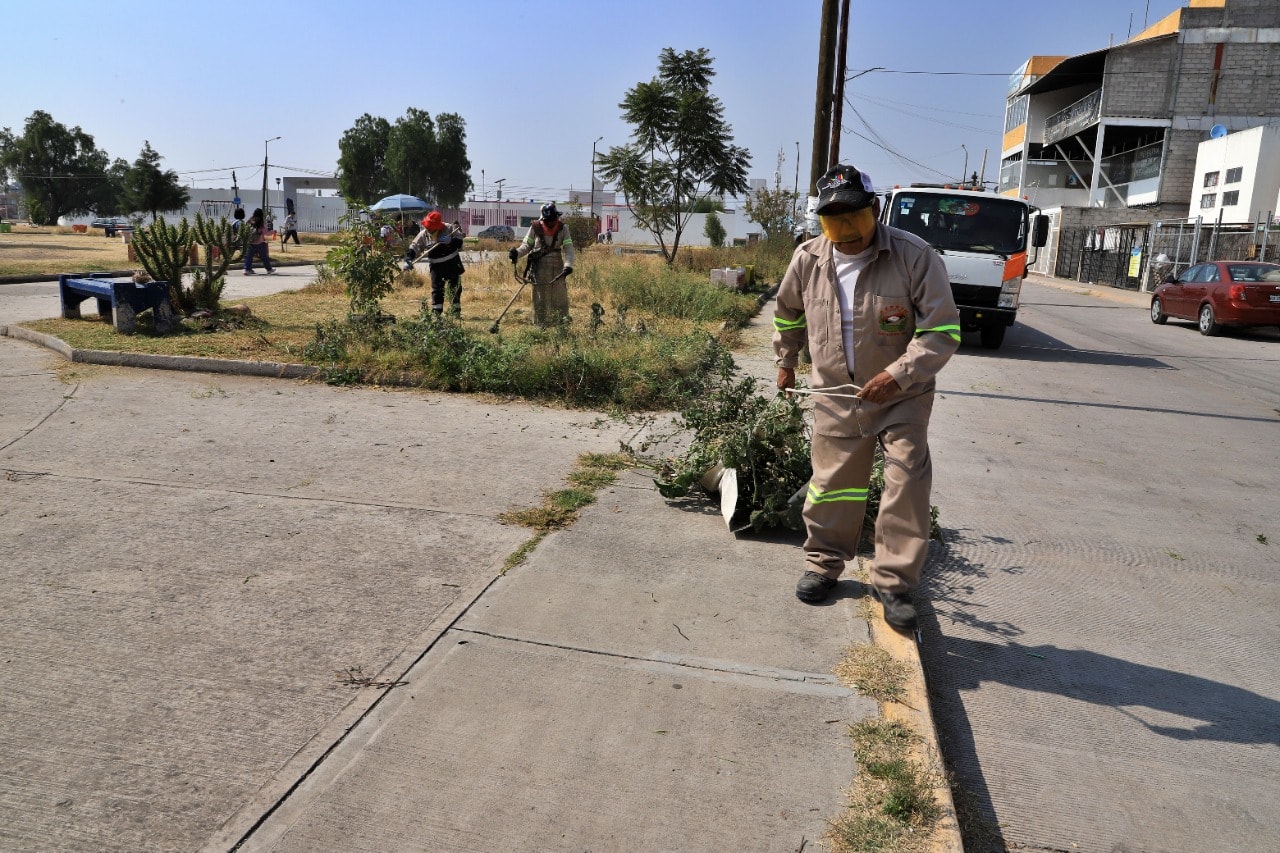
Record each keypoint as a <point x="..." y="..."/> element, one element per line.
<point x="764" y="439"/>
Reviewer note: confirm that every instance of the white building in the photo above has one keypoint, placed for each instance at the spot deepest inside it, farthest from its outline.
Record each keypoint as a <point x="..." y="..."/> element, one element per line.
<point x="1237" y="176"/>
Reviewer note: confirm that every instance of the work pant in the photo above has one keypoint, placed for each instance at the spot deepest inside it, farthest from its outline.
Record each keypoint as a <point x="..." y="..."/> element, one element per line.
<point x="294" y="235"/>
<point x="836" y="504"/>
<point x="442" y="285"/>
<point x="550" y="300"/>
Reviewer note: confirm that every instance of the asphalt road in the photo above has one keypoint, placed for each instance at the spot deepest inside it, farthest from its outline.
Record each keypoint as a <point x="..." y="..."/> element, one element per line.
<point x="1102" y="641"/>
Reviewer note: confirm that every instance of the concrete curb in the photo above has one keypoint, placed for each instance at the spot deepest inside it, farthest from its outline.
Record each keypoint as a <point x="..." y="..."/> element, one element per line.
<point x="914" y="713"/>
<point x="196" y="364"/>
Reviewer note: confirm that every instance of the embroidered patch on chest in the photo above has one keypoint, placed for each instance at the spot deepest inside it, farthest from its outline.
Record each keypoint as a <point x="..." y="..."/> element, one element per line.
<point x="893" y="319"/>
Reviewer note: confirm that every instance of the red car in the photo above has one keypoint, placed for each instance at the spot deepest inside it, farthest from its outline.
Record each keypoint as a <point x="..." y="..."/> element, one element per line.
<point x="1221" y="293"/>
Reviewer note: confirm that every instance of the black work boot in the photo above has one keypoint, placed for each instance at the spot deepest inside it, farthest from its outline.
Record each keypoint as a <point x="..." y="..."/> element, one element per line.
<point x="899" y="610"/>
<point x="813" y="587"/>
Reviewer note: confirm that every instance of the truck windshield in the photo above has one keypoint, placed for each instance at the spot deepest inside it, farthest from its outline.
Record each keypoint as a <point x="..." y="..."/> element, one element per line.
<point x="962" y="223"/>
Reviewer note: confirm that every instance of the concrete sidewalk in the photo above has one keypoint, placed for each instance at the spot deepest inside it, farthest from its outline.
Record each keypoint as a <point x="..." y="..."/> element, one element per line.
<point x="198" y="562"/>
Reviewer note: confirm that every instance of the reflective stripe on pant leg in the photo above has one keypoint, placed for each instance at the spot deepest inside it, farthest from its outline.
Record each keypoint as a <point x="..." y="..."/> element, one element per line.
<point x="437" y="291"/>
<point x="902" y="526"/>
<point x="836" y="502"/>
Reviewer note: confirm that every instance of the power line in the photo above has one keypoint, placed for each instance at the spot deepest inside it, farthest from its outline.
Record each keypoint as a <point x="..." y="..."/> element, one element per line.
<point x="888" y="106"/>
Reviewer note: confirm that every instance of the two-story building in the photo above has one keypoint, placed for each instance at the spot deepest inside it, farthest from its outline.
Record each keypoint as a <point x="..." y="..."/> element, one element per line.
<point x="1106" y="142"/>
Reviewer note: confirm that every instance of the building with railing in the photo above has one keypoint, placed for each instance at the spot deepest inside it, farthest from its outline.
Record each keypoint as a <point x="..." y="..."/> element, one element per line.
<point x="1110" y="137"/>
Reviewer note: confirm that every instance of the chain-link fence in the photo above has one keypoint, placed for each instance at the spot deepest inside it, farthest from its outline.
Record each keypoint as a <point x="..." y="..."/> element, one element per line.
<point x="1140" y="257"/>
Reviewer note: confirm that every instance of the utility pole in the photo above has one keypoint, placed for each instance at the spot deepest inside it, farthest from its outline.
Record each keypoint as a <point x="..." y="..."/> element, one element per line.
<point x="265" y="147"/>
<point x="822" y="101"/>
<point x="837" y="100"/>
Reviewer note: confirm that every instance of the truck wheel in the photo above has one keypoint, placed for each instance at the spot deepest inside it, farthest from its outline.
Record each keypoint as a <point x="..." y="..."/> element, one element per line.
<point x="992" y="336"/>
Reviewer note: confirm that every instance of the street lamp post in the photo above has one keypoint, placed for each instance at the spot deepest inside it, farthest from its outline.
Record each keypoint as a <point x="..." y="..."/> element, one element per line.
<point x="594" y="221"/>
<point x="265" y="148"/>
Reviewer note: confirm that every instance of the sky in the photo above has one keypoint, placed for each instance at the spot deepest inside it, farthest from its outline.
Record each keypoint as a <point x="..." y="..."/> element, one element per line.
<point x="207" y="84"/>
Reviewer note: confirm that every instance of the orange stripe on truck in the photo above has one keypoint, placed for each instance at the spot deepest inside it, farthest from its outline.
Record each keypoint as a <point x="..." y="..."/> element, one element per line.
<point x="1015" y="267"/>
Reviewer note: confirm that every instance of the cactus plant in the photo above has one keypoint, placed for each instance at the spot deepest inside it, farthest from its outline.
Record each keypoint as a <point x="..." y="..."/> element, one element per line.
<point x="222" y="247"/>
<point x="163" y="250"/>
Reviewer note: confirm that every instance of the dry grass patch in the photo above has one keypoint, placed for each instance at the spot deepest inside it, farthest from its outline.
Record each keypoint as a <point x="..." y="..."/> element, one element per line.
<point x="871" y="671"/>
<point x="892" y="808"/>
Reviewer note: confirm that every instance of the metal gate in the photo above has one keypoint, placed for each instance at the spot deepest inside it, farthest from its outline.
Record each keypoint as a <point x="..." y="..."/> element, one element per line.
<point x="1102" y="255"/>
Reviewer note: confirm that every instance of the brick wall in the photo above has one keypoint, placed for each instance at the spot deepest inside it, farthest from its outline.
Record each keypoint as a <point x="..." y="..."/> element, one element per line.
<point x="1139" y="79"/>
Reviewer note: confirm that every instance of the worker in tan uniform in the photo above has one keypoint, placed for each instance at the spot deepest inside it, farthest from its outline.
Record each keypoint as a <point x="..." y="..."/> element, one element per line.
<point x="873" y="303"/>
<point x="551" y="246"/>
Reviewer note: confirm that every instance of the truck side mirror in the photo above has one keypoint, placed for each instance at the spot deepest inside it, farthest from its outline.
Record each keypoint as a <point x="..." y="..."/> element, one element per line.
<point x="1040" y="231"/>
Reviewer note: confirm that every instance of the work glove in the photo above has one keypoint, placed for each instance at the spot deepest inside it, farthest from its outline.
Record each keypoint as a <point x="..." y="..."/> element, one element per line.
<point x="568" y="271"/>
<point x="513" y="254"/>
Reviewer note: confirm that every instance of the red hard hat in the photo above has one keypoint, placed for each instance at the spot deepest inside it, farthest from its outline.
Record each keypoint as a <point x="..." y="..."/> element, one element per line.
<point x="433" y="221"/>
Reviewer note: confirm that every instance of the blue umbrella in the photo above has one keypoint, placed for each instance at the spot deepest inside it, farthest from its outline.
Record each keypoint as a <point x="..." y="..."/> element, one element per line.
<point x="402" y="202"/>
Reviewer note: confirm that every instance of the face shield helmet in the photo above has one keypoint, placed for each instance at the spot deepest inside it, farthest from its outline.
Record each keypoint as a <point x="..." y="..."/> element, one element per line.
<point x="549" y="212"/>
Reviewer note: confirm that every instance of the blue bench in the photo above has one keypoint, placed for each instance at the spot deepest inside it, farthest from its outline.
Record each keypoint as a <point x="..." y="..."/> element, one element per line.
<point x="119" y="299"/>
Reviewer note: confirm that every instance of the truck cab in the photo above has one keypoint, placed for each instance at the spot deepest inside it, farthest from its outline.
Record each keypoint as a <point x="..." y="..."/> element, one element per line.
<point x="983" y="241"/>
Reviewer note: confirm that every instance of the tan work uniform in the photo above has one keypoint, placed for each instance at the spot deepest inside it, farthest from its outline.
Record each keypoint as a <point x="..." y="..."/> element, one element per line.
<point x="905" y="323"/>
<point x="550" y="290"/>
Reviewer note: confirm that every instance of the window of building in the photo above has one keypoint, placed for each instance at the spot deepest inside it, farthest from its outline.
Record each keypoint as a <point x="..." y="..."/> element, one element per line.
<point x="1208" y="200"/>
<point x="1210" y="179"/>
<point x="511" y="218"/>
<point x="1230" y="199"/>
<point x="1234" y="175"/>
<point x="477" y="217"/>
<point x="1015" y="112"/>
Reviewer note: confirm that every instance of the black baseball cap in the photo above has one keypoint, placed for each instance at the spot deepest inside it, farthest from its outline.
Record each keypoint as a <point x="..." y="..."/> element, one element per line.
<point x="847" y="185"/>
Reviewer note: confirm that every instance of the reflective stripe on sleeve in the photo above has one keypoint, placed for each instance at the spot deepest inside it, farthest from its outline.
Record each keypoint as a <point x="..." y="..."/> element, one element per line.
<point x="790" y="325"/>
<point x="952" y="332"/>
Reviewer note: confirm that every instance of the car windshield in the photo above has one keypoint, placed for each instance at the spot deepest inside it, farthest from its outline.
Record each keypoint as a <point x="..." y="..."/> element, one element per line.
<point x="962" y="223"/>
<point x="1253" y="272"/>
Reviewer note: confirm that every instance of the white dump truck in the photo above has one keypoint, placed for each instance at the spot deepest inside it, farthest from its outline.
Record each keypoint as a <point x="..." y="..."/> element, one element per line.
<point x="983" y="240"/>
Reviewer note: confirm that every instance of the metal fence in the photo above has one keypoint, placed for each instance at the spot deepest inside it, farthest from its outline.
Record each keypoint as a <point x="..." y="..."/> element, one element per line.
<point x="1139" y="257"/>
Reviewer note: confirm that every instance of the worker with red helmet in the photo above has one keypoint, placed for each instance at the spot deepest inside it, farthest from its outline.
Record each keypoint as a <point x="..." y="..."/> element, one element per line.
<point x="442" y="246"/>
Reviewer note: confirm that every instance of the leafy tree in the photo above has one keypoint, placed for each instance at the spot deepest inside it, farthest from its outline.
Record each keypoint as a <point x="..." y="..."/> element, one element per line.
<point x="362" y="167"/>
<point x="61" y="170"/>
<point x="411" y="149"/>
<point x="147" y="187"/>
<point x="714" y="230"/>
<point x="681" y="150"/>
<point x="109" y="199"/>
<point x="452" y="176"/>
<point x="774" y="209"/>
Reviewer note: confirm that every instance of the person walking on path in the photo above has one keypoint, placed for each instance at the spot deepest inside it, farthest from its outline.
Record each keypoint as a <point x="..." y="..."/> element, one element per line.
<point x="442" y="246"/>
<point x="551" y="247"/>
<point x="257" y="243"/>
<point x="874" y="305"/>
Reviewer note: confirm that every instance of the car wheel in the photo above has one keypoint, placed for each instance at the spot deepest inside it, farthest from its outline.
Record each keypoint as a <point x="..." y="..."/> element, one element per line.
<point x="1208" y="325"/>
<point x="1157" y="312"/>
